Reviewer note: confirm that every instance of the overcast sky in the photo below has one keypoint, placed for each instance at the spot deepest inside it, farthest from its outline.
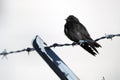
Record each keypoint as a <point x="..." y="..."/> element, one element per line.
<point x="22" y="20"/>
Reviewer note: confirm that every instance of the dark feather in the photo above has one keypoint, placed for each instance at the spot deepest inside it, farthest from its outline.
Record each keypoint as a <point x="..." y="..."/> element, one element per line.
<point x="89" y="49"/>
<point x="76" y="31"/>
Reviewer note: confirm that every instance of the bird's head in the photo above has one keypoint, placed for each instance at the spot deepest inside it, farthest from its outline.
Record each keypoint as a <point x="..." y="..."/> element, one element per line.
<point x="72" y="18"/>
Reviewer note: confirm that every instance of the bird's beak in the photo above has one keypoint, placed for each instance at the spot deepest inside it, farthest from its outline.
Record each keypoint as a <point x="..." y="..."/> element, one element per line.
<point x="67" y="20"/>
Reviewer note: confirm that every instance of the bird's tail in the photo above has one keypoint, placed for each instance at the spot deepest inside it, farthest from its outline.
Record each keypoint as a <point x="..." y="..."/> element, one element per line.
<point x="96" y="44"/>
<point x="91" y="48"/>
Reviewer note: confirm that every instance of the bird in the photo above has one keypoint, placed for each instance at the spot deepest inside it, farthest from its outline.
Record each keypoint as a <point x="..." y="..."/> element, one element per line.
<point x="77" y="32"/>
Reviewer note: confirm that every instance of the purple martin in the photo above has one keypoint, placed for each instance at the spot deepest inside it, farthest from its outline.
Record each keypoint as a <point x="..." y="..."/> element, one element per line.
<point x="77" y="32"/>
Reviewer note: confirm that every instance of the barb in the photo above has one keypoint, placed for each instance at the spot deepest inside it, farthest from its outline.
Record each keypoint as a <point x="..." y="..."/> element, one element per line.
<point x="109" y="36"/>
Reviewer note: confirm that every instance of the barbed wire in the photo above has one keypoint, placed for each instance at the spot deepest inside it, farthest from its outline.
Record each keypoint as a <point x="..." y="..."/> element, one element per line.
<point x="5" y="53"/>
<point x="109" y="36"/>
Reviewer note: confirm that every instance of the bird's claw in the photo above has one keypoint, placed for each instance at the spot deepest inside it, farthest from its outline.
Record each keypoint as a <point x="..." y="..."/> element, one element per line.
<point x="81" y="42"/>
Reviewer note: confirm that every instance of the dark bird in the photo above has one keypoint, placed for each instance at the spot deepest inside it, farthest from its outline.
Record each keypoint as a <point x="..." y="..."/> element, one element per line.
<point x="76" y="32"/>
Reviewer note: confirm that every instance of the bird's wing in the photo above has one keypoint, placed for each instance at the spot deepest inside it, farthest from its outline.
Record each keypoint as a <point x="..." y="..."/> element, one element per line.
<point x="83" y="31"/>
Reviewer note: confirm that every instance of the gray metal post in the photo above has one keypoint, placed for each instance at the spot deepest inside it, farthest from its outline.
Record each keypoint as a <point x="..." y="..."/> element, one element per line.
<point x="54" y="62"/>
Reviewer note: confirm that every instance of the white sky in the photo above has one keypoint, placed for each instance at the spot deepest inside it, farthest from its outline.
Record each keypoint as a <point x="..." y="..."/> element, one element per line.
<point x="21" y="20"/>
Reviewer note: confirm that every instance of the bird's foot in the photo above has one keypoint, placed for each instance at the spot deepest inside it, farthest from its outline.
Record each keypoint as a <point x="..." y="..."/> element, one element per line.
<point x="82" y="42"/>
